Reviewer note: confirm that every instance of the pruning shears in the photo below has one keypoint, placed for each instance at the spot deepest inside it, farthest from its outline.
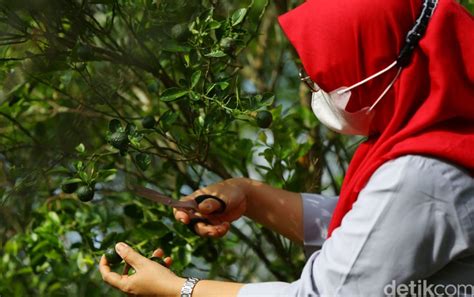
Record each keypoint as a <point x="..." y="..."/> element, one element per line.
<point x="192" y="205"/>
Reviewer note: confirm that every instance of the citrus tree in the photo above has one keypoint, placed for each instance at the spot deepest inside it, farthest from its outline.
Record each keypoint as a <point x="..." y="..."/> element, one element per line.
<point x="101" y="95"/>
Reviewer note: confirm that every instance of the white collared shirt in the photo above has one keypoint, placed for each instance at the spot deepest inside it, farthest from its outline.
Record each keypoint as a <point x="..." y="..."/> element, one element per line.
<point x="412" y="228"/>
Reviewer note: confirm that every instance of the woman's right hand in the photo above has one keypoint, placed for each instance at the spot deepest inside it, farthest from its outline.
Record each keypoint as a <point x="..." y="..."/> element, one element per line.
<point x="232" y="192"/>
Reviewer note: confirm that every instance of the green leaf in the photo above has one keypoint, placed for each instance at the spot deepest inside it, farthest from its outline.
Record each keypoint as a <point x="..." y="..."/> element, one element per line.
<point x="187" y="60"/>
<point x="223" y="85"/>
<point x="238" y="16"/>
<point x="168" y="119"/>
<point x="175" y="47"/>
<point x="72" y="181"/>
<point x="60" y="170"/>
<point x="216" y="54"/>
<point x="172" y="94"/>
<point x="214" y="25"/>
<point x="54" y="217"/>
<point x="195" y="78"/>
<point x="143" y="161"/>
<point x="155" y="226"/>
<point x="267" y="99"/>
<point x="84" y="177"/>
<point x="25" y="270"/>
<point x="107" y="174"/>
<point x="268" y="154"/>
<point x="79" y="165"/>
<point x="130" y="129"/>
<point x="37" y="260"/>
<point x="194" y="96"/>
<point x="81" y="148"/>
<point x="182" y="254"/>
<point x="262" y="136"/>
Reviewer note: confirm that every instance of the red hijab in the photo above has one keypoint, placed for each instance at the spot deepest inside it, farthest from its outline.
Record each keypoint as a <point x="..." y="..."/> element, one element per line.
<point x="430" y="109"/>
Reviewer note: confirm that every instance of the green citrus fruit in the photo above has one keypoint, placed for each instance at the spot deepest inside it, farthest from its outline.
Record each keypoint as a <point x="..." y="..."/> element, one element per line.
<point x="148" y="122"/>
<point x="85" y="193"/>
<point x="133" y="211"/>
<point x="264" y="119"/>
<point x="119" y="140"/>
<point x="112" y="256"/>
<point x="69" y="188"/>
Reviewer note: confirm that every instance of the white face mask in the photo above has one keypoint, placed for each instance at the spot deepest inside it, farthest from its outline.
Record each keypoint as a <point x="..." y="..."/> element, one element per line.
<point x="330" y="108"/>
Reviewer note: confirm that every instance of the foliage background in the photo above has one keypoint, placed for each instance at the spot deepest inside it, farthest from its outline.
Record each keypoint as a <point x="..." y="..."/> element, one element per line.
<point x="74" y="71"/>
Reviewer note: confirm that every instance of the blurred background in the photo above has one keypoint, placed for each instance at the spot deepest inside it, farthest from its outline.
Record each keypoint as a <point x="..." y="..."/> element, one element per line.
<point x="99" y="95"/>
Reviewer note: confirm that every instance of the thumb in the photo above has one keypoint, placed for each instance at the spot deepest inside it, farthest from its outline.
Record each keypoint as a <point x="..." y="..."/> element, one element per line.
<point x="129" y="255"/>
<point x="208" y="206"/>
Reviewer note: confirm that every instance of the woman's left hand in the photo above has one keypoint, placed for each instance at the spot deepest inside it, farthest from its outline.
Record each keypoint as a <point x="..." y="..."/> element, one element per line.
<point x="150" y="278"/>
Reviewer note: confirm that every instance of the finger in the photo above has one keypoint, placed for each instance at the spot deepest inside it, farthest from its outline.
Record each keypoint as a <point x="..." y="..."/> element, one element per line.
<point x="114" y="279"/>
<point x="181" y="216"/>
<point x="222" y="229"/>
<point x="215" y="230"/>
<point x="209" y="206"/>
<point x="158" y="253"/>
<point x="104" y="265"/>
<point x="130" y="256"/>
<point x="206" y="230"/>
<point x="168" y="261"/>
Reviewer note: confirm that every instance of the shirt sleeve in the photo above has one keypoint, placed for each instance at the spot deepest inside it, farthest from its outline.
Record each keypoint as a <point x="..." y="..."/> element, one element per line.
<point x="317" y="212"/>
<point x="407" y="224"/>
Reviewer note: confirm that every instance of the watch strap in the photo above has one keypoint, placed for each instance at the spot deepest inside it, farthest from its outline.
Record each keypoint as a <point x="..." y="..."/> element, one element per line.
<point x="188" y="287"/>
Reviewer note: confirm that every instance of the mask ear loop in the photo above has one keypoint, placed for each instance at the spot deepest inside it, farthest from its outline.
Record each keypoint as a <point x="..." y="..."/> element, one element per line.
<point x="374" y="76"/>
<point x="386" y="90"/>
<point x="340" y="92"/>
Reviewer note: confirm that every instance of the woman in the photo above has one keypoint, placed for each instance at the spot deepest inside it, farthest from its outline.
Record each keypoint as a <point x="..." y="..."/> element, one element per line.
<point x="404" y="222"/>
